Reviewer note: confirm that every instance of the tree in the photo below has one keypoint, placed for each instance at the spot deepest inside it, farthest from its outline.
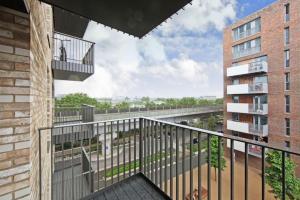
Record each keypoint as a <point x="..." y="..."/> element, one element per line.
<point x="75" y="100"/>
<point x="122" y="106"/>
<point x="212" y="123"/>
<point x="214" y="160"/>
<point x="274" y="176"/>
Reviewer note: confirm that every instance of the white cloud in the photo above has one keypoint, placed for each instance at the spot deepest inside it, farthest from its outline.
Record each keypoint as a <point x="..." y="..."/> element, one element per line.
<point x="180" y="54"/>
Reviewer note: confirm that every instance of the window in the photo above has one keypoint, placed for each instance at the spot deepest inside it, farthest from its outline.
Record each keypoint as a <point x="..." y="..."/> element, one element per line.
<point x="287" y="58"/>
<point x="260" y="79"/>
<point x="287" y="144"/>
<point x="235" y="117"/>
<point x="287" y="12"/>
<point x="246" y="30"/>
<point x="287" y="126"/>
<point x="287" y="36"/>
<point x="235" y="99"/>
<point x="287" y="81"/>
<point x="287" y="104"/>
<point x="235" y="81"/>
<point x="246" y="48"/>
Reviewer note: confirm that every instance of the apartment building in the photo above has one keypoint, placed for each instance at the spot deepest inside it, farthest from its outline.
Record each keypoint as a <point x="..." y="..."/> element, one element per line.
<point x="262" y="77"/>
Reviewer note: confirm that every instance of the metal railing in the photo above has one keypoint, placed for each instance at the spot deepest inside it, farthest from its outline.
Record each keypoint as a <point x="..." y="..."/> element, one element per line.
<point x="246" y="33"/>
<point x="85" y="113"/>
<point x="246" y="52"/>
<point x="72" y="53"/>
<point x="170" y="155"/>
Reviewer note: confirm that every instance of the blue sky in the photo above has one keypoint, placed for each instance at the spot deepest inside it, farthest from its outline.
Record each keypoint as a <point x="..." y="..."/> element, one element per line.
<point x="181" y="57"/>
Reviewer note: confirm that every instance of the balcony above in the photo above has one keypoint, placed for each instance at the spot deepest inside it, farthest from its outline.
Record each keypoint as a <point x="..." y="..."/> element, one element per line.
<point x="73" y="58"/>
<point x="248" y="128"/>
<point x="254" y="88"/>
<point x="250" y="68"/>
<point x="247" y="108"/>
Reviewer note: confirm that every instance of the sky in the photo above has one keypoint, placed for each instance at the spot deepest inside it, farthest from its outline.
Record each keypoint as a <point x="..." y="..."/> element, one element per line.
<point x="181" y="57"/>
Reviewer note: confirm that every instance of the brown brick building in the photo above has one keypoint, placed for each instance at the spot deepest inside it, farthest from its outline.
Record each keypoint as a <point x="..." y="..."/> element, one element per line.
<point x="262" y="76"/>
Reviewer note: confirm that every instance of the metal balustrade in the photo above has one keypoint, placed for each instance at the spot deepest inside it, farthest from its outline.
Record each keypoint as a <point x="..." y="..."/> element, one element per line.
<point x="171" y="156"/>
<point x="73" y="58"/>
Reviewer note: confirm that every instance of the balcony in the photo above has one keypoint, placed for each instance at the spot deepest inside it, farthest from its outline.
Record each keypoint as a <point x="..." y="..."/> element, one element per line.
<point x="73" y="58"/>
<point x="247" y="33"/>
<point x="254" y="88"/>
<point x="246" y="108"/>
<point x="143" y="158"/>
<point x="246" y="52"/>
<point x="250" y="68"/>
<point x="248" y="128"/>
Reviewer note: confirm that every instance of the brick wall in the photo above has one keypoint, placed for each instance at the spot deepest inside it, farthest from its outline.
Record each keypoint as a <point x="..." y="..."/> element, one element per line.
<point x="272" y="37"/>
<point x="25" y="99"/>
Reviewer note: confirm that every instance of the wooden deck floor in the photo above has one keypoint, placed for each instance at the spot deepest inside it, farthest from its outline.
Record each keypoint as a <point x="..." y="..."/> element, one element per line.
<point x="134" y="187"/>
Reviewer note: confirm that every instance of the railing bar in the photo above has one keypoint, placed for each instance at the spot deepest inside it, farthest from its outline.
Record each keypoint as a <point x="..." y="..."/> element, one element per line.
<point x="81" y="141"/>
<point x="156" y="151"/>
<point x="141" y="122"/>
<point x="166" y="161"/>
<point x="183" y="164"/>
<point x="152" y="148"/>
<point x="231" y="169"/>
<point x="145" y="147"/>
<point x="283" y="176"/>
<point x="129" y="136"/>
<point x="160" y="155"/>
<point x="112" y="151"/>
<point x="90" y="165"/>
<point x="191" y="164"/>
<point x="220" y="168"/>
<point x="118" y="148"/>
<point x="177" y="166"/>
<point x="246" y="170"/>
<point x="149" y="156"/>
<point x="124" y="154"/>
<point x="104" y="154"/>
<point x="72" y="164"/>
<point x="171" y="161"/>
<point x="199" y="167"/>
<point x="208" y="167"/>
<point x="134" y="145"/>
<point x="98" y="174"/>
<point x="263" y="173"/>
<point x="63" y="161"/>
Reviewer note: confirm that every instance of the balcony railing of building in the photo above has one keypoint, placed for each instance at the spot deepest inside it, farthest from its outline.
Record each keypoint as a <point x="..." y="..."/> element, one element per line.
<point x="258" y="87"/>
<point x="258" y="109"/>
<point x="85" y="113"/>
<point x="73" y="58"/>
<point x="250" y="68"/>
<point x="246" y="52"/>
<point x="246" y="33"/>
<point x="249" y="128"/>
<point x="162" y="151"/>
<point x="252" y="88"/>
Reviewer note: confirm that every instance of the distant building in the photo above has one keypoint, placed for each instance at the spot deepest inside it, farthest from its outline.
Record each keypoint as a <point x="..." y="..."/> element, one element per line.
<point x="262" y="77"/>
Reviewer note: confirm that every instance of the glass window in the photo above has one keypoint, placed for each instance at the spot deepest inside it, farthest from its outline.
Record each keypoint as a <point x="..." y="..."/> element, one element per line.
<point x="260" y="79"/>
<point x="247" y="29"/>
<point x="235" y="81"/>
<point x="287" y="126"/>
<point x="287" y="81"/>
<point x="287" y="36"/>
<point x="287" y="58"/>
<point x="235" y="117"/>
<point x="287" y="104"/>
<point x="247" y="48"/>
<point x="287" y="144"/>
<point x="235" y="99"/>
<point x="287" y="12"/>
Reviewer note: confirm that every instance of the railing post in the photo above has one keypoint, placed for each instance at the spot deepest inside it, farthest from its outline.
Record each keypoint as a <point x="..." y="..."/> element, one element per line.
<point x="40" y="166"/>
<point x="140" y="145"/>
